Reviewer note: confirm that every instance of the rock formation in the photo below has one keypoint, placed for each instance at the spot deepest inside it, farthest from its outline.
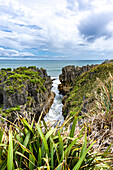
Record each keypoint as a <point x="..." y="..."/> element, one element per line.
<point x="69" y="74"/>
<point x="107" y="61"/>
<point x="77" y="84"/>
<point x="26" y="90"/>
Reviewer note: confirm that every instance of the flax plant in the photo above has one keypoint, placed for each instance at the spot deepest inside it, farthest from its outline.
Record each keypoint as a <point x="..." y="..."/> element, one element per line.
<point x="28" y="147"/>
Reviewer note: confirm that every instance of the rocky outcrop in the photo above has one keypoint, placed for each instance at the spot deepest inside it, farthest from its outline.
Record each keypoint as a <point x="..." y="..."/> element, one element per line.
<point x="69" y="74"/>
<point x="107" y="61"/>
<point x="81" y="85"/>
<point x="29" y="88"/>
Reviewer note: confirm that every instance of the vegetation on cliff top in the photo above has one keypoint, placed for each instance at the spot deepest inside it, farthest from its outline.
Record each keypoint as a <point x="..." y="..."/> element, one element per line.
<point x="83" y="85"/>
<point x="91" y="99"/>
<point x="19" y="86"/>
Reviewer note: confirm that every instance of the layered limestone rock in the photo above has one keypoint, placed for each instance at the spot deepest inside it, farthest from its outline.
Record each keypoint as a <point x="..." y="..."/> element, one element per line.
<point x="81" y="84"/>
<point x="69" y="74"/>
<point x="26" y="90"/>
<point x="89" y="99"/>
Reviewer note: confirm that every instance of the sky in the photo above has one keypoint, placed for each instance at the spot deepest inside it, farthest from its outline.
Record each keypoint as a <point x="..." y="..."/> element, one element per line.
<point x="56" y="29"/>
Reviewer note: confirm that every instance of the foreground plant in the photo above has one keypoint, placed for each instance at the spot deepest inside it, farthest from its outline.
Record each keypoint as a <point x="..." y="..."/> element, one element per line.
<point x="99" y="119"/>
<point x="27" y="146"/>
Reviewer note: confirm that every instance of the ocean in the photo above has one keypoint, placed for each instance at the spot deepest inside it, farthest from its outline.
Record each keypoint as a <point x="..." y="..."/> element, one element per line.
<point x="54" y="69"/>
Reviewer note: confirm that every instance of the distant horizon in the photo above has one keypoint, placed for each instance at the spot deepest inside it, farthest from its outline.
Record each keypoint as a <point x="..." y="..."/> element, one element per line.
<point x="26" y="58"/>
<point x="55" y="59"/>
<point x="53" y="67"/>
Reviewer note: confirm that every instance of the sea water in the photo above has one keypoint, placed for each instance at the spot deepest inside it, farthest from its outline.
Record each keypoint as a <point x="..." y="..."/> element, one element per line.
<point x="54" y="69"/>
<point x="55" y="112"/>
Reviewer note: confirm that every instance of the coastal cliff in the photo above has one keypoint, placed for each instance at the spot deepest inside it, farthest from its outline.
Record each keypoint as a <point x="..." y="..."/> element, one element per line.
<point x="90" y="100"/>
<point x="68" y="76"/>
<point x="77" y="84"/>
<point x="26" y="91"/>
<point x="83" y="141"/>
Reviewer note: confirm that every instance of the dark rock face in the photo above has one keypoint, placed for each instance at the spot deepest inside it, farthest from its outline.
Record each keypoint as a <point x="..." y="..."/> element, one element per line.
<point x="67" y="78"/>
<point x="29" y="88"/>
<point x="14" y="99"/>
<point x="78" y="99"/>
<point x="69" y="74"/>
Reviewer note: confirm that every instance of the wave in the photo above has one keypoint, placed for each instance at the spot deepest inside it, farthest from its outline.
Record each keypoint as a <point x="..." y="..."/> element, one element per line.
<point x="55" y="112"/>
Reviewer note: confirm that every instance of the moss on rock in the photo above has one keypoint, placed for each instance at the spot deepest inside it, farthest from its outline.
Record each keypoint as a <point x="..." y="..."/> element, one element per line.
<point x="24" y="86"/>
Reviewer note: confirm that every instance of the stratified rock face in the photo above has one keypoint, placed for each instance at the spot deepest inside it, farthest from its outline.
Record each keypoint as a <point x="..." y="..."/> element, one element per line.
<point x="69" y="74"/>
<point x="27" y="87"/>
<point x="82" y="86"/>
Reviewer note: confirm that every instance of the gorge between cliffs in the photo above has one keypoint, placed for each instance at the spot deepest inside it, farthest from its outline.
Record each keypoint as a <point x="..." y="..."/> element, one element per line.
<point x="30" y="92"/>
<point x="57" y="121"/>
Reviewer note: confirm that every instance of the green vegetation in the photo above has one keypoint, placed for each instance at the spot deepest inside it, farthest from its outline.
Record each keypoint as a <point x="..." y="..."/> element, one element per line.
<point x="32" y="67"/>
<point x="31" y="148"/>
<point x="91" y="98"/>
<point x="6" y="69"/>
<point x="99" y="117"/>
<point x="19" y="82"/>
<point x="84" y="84"/>
<point x="7" y="112"/>
<point x="17" y="108"/>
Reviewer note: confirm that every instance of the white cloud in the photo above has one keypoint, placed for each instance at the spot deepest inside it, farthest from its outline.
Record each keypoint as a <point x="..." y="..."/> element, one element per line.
<point x="35" y="26"/>
<point x="10" y="52"/>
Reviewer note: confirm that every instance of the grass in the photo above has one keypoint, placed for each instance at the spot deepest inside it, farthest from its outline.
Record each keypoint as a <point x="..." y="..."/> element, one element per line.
<point x="99" y="117"/>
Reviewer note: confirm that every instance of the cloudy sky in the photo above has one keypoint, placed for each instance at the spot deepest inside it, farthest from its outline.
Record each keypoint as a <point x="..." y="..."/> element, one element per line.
<point x="56" y="29"/>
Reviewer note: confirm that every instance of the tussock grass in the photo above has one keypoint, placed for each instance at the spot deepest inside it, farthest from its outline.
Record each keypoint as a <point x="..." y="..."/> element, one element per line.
<point x="99" y="118"/>
<point x="26" y="146"/>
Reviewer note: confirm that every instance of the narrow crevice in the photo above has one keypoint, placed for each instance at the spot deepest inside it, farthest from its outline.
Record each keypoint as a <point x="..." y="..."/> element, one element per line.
<point x="55" y="112"/>
<point x="1" y="100"/>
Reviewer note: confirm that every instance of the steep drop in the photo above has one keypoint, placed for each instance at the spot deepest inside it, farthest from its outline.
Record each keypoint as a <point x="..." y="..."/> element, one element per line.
<point x="55" y="112"/>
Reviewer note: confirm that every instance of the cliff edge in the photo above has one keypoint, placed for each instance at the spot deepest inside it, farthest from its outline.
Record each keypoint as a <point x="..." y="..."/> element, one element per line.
<point x="26" y="91"/>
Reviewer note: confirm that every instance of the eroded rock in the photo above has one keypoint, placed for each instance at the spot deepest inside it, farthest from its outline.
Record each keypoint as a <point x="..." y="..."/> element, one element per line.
<point x="69" y="74"/>
<point x="29" y="88"/>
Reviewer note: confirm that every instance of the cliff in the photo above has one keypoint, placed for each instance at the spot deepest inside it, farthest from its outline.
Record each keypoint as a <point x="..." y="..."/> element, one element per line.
<point x="69" y="74"/>
<point x="78" y="82"/>
<point x="90" y="100"/>
<point x="26" y="91"/>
